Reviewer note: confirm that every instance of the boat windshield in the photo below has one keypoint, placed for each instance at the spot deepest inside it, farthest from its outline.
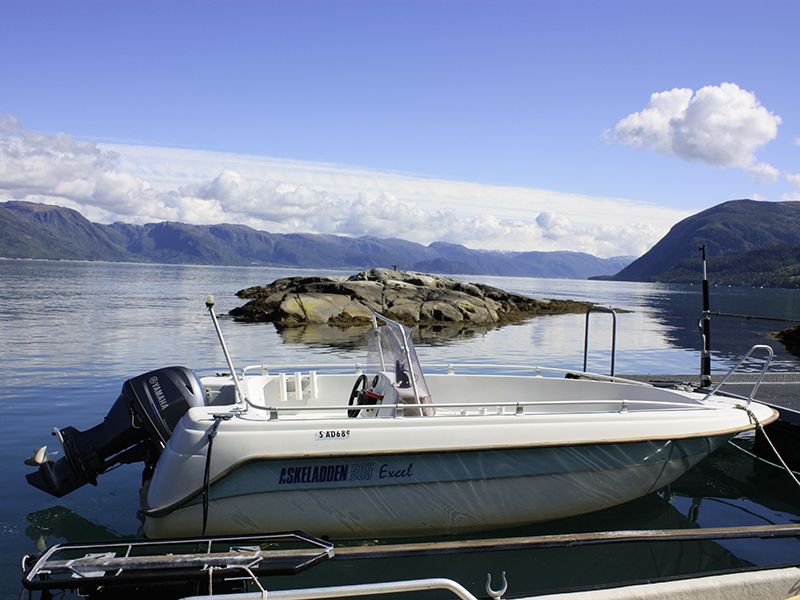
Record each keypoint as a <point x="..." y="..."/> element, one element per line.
<point x="392" y="353"/>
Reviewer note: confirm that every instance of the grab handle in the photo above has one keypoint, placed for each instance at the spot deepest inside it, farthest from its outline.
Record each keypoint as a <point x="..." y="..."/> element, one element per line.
<point x="767" y="362"/>
<point x="601" y="309"/>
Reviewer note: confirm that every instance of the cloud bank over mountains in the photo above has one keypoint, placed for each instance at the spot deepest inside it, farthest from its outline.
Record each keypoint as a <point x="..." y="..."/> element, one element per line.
<point x="108" y="182"/>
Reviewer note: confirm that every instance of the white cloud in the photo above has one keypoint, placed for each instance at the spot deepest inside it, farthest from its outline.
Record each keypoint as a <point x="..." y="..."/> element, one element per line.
<point x="425" y="209"/>
<point x="553" y="226"/>
<point x="144" y="184"/>
<point x="78" y="173"/>
<point x="283" y="206"/>
<point x="720" y="125"/>
<point x="764" y="171"/>
<point x="36" y="163"/>
<point x="794" y="179"/>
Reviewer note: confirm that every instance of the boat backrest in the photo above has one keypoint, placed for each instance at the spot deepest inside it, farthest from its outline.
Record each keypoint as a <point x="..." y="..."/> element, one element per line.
<point x="390" y="394"/>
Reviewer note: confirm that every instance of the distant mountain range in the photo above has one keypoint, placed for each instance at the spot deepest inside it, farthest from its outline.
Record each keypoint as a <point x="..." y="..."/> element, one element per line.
<point x="747" y="243"/>
<point x="31" y="230"/>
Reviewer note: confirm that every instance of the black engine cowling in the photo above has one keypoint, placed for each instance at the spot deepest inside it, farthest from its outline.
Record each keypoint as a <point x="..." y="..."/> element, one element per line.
<point x="135" y="429"/>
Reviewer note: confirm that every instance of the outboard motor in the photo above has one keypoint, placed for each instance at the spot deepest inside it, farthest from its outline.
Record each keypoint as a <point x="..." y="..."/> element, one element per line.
<point x="135" y="429"/>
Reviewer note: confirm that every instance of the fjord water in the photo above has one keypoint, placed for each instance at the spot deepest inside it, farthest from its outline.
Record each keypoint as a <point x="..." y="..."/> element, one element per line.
<point x="73" y="332"/>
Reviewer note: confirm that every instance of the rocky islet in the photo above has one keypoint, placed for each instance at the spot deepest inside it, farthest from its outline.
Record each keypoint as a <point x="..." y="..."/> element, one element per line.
<point x="407" y="296"/>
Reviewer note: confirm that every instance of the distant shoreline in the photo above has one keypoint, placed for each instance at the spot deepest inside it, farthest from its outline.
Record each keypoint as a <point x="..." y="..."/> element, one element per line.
<point x="343" y="270"/>
<point x="349" y="271"/>
<point x="32" y="230"/>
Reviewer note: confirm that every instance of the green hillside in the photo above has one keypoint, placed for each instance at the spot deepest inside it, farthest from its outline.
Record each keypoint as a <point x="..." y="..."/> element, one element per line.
<point x="747" y="243"/>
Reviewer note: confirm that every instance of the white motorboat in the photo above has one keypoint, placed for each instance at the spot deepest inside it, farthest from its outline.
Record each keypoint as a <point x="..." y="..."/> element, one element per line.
<point x="387" y="450"/>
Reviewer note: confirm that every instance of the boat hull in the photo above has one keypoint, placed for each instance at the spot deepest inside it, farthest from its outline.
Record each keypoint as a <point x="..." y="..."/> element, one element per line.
<point x="438" y="493"/>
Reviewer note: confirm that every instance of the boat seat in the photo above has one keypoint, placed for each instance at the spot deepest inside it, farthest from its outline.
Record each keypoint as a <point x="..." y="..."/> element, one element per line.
<point x="392" y="393"/>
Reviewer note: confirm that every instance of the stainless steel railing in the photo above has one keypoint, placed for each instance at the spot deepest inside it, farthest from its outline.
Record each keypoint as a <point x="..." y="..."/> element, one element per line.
<point x="735" y="368"/>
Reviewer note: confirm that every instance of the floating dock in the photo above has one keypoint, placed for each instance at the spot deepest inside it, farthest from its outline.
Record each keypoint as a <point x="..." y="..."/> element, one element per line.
<point x="221" y="567"/>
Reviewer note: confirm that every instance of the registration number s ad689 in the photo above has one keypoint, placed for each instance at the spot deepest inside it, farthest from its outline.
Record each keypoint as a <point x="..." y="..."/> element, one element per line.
<point x="332" y="434"/>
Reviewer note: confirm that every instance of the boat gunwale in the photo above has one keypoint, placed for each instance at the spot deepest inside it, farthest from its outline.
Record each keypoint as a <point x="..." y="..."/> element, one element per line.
<point x="448" y="368"/>
<point x="699" y="403"/>
<point x="624" y="403"/>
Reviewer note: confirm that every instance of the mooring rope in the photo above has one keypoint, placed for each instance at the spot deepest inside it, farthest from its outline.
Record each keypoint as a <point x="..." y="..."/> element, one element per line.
<point x="755" y="420"/>
<point x="757" y="457"/>
<point x="244" y="568"/>
<point x="254" y="579"/>
<point x="211" y="580"/>
<point x="212" y="433"/>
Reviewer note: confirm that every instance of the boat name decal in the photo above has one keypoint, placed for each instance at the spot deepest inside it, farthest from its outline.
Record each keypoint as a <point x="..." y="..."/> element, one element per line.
<point x="344" y="472"/>
<point x="387" y="473"/>
<point x="316" y="474"/>
<point x="162" y="400"/>
<point x="332" y="434"/>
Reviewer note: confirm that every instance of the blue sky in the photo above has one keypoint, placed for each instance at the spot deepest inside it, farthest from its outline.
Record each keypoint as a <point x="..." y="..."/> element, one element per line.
<point x="521" y="99"/>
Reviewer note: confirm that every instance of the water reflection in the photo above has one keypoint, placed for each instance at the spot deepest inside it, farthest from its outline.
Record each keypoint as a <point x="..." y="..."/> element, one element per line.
<point x="355" y="337"/>
<point x="679" y="312"/>
<point x="528" y="570"/>
<point x="762" y="493"/>
<point x="59" y="524"/>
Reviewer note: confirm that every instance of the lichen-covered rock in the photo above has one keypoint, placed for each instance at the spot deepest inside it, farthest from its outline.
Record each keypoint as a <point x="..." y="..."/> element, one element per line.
<point x="407" y="312"/>
<point x="436" y="310"/>
<point x="321" y="308"/>
<point x="407" y="296"/>
<point x="367" y="292"/>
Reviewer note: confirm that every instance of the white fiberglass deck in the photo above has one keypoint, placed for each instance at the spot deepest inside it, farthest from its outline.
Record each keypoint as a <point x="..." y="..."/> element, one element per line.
<point x="312" y="393"/>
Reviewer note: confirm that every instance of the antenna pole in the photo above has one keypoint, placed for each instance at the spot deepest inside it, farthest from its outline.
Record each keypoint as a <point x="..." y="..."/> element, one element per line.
<point x="210" y="307"/>
<point x="705" y="321"/>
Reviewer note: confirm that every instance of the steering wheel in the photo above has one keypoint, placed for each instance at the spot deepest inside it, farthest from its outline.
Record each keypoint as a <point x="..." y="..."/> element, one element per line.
<point x="359" y="388"/>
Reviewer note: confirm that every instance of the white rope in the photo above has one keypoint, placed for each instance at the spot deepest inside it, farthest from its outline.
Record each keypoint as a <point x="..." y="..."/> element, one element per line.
<point x="757" y="457"/>
<point x="255" y="580"/>
<point x="769" y="441"/>
<point x="244" y="568"/>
